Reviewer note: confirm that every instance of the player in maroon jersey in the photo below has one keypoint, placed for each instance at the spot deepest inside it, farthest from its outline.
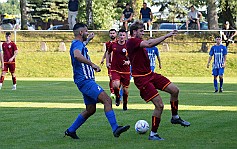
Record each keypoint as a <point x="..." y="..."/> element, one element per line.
<point x="112" y="35"/>
<point x="9" y="54"/>
<point x="147" y="81"/>
<point x="120" y="67"/>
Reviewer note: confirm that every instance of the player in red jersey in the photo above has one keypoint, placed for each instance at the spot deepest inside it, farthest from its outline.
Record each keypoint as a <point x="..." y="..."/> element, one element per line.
<point x="120" y="67"/>
<point x="8" y="59"/>
<point x="112" y="35"/>
<point x="147" y="81"/>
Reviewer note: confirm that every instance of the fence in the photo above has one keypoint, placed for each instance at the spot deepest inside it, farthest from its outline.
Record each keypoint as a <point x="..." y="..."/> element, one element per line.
<point x="59" y="40"/>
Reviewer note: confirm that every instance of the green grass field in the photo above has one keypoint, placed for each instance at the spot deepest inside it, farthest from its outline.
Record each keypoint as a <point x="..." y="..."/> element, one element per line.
<point x="38" y="112"/>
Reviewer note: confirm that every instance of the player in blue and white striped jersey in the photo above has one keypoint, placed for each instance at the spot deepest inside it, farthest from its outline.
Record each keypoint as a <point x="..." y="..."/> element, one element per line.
<point x="153" y="52"/>
<point x="83" y="70"/>
<point x="219" y="51"/>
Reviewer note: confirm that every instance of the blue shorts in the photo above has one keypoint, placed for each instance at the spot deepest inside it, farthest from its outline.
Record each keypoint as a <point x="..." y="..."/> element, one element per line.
<point x="90" y="91"/>
<point x="145" y="20"/>
<point x="153" y="68"/>
<point x="218" y="72"/>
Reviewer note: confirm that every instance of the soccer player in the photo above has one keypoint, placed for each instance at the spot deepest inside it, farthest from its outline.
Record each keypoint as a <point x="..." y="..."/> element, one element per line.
<point x="147" y="81"/>
<point x="8" y="59"/>
<point x="112" y="35"/>
<point x="85" y="81"/>
<point x="120" y="67"/>
<point x="219" y="51"/>
<point x="153" y="52"/>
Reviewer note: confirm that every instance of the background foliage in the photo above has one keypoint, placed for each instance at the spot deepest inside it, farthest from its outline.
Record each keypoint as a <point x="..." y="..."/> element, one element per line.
<point x="105" y="12"/>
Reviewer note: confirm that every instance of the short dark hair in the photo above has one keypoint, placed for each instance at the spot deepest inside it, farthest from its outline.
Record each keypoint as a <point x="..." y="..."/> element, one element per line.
<point x="112" y="30"/>
<point x="127" y="4"/>
<point x="217" y="36"/>
<point x="135" y="26"/>
<point x="76" y="27"/>
<point x="8" y="33"/>
<point x="122" y="31"/>
<point x="79" y="25"/>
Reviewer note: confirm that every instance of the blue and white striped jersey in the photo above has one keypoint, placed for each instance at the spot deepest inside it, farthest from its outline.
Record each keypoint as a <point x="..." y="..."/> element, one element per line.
<point x="152" y="54"/>
<point x="219" y="51"/>
<point x="81" y="71"/>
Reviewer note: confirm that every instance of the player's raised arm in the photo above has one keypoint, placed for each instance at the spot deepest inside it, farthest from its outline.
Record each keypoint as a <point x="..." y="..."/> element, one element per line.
<point x="154" y="42"/>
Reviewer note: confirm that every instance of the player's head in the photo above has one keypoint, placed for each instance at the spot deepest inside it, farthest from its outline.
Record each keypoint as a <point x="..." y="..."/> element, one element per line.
<point x="112" y="34"/>
<point x="80" y="30"/>
<point x="8" y="36"/>
<point x="122" y="35"/>
<point x="137" y="29"/>
<point x="218" y="39"/>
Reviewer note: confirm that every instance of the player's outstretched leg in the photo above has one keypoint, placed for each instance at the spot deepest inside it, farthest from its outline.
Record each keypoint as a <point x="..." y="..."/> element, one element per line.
<point x="174" y="92"/>
<point x="110" y="115"/>
<point x="82" y="117"/>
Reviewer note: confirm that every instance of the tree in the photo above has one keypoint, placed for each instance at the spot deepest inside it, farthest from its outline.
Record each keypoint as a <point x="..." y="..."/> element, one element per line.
<point x="48" y="9"/>
<point x="23" y="15"/>
<point x="212" y="17"/>
<point x="228" y="11"/>
<point x="89" y="14"/>
<point x="11" y="7"/>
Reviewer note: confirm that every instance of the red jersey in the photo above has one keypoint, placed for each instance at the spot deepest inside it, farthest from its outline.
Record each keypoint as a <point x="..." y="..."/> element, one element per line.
<point x="118" y="58"/>
<point x="8" y="50"/>
<point x="107" y="45"/>
<point x="138" y="58"/>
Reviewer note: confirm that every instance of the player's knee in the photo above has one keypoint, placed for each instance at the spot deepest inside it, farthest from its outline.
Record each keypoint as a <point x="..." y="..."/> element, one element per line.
<point x="91" y="111"/>
<point x="175" y="91"/>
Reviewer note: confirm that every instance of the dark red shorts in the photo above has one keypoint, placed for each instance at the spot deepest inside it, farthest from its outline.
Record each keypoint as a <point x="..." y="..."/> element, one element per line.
<point x="10" y="66"/>
<point x="149" y="84"/>
<point x="124" y="78"/>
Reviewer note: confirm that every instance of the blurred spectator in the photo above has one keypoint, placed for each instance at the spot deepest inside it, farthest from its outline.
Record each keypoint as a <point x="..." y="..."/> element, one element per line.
<point x="72" y="12"/>
<point x="127" y="16"/>
<point x="228" y="36"/>
<point x="193" y="17"/>
<point x="146" y="15"/>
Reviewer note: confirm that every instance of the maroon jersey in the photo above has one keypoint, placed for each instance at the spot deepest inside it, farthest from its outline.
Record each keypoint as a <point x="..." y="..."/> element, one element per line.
<point x="118" y="58"/>
<point x="138" y="58"/>
<point x="8" y="50"/>
<point x="107" y="45"/>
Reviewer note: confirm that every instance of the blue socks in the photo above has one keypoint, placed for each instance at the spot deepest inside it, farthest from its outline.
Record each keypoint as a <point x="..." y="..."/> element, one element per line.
<point x="112" y="119"/>
<point x="215" y="84"/>
<point x="121" y="93"/>
<point x="77" y="123"/>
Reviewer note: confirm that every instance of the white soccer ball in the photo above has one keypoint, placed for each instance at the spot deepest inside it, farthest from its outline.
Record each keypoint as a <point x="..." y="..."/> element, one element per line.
<point x="141" y="126"/>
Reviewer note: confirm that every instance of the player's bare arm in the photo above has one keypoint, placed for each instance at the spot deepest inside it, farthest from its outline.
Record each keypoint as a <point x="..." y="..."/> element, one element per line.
<point x="1" y="59"/>
<point x="103" y="58"/>
<point x="82" y="59"/>
<point x="14" y="56"/>
<point x="154" y="42"/>
<point x="209" y="60"/>
<point x="108" y="56"/>
<point x="224" y="64"/>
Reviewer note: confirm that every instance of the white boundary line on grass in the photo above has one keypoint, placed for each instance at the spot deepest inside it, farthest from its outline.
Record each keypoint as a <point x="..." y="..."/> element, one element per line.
<point x="130" y="106"/>
<point x="105" y="78"/>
